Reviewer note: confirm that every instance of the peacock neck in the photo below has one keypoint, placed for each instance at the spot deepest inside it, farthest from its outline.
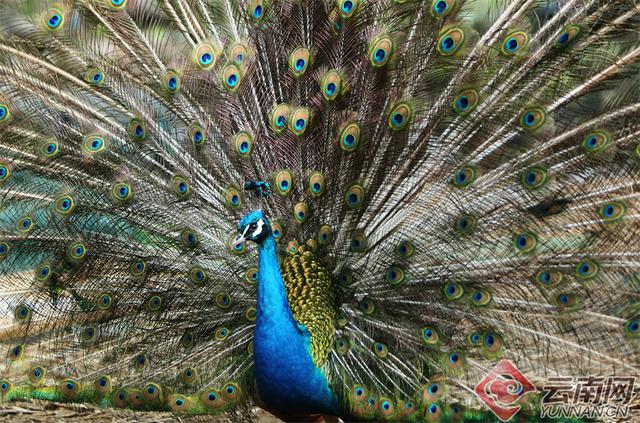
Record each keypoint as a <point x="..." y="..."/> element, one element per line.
<point x="286" y="376"/>
<point x="273" y="306"/>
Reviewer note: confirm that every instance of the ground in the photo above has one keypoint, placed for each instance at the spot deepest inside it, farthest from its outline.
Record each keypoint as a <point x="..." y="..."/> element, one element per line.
<point x="44" y="411"/>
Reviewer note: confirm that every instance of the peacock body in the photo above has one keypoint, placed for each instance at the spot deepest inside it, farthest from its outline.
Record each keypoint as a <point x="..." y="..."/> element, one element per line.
<point x="353" y="208"/>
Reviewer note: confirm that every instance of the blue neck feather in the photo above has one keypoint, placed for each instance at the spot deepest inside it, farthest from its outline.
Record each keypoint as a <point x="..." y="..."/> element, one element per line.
<point x="286" y="376"/>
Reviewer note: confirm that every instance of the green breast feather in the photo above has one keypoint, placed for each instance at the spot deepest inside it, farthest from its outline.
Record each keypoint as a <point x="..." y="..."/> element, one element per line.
<point x="310" y="292"/>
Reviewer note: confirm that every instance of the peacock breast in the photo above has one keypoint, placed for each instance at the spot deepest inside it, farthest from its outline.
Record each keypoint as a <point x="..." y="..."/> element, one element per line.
<point x="312" y="300"/>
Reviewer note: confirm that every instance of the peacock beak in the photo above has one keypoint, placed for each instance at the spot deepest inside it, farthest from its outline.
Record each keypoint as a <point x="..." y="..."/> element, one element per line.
<point x="241" y="237"/>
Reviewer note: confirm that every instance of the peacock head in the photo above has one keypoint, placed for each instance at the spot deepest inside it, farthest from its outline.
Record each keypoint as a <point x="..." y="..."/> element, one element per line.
<point x="253" y="226"/>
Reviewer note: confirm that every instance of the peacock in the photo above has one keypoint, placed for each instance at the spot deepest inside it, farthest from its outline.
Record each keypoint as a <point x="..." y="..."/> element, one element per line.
<point x="348" y="208"/>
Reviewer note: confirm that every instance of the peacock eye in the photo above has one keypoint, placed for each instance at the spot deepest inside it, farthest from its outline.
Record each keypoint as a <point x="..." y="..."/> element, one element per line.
<point x="253" y="226"/>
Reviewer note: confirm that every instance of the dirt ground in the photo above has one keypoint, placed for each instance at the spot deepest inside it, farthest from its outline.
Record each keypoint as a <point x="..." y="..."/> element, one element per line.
<point x="42" y="411"/>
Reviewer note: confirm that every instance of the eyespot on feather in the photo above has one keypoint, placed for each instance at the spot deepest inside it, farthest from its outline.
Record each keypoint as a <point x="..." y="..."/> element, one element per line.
<point x="532" y="118"/>
<point x="316" y="184"/>
<point x="332" y="83"/>
<point x="196" y="135"/>
<point x="452" y="291"/>
<point x="243" y="143"/>
<point x="465" y="176"/>
<point x="400" y="116"/>
<point x="450" y="41"/>
<point x="381" y="50"/>
<point x="514" y="42"/>
<point x="465" y="224"/>
<point x="596" y="142"/>
<point x="181" y="187"/>
<point x="525" y="242"/>
<point x="279" y="117"/>
<point x="137" y="130"/>
<point x="349" y="137"/>
<point x="346" y="8"/>
<point x="465" y="102"/>
<point x="299" y="61"/>
<point x="567" y="36"/>
<point x="204" y="56"/>
<point x="299" y="120"/>
<point x="355" y="195"/>
<point x="442" y="8"/>
<point x="548" y="278"/>
<point x="534" y="178"/>
<point x="53" y="19"/>
<point x="301" y="212"/>
<point x="612" y="211"/>
<point x="231" y="77"/>
<point x="171" y="81"/>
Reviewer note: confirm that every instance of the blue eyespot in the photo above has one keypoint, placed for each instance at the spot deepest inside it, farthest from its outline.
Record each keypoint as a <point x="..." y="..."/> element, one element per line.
<point x="529" y="119"/>
<point x="235" y="200"/>
<point x="440" y="7"/>
<point x="281" y="121"/>
<point x="54" y="21"/>
<point x="463" y="103"/>
<point x="212" y="396"/>
<point x="300" y="64"/>
<point x="447" y="44"/>
<point x="563" y="38"/>
<point x="564" y="299"/>
<point x="433" y="409"/>
<point x="173" y="83"/>
<point x="232" y="80"/>
<point x="489" y="340"/>
<point x="380" y="55"/>
<point x="585" y="268"/>
<point x="453" y="358"/>
<point x="257" y="12"/>
<point x="398" y="119"/>
<point x="433" y="389"/>
<point x="347" y="6"/>
<point x="299" y="124"/>
<point x="206" y="59"/>
<point x="331" y="88"/>
<point x="349" y="140"/>
<point x="3" y="112"/>
<point x="511" y="44"/>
